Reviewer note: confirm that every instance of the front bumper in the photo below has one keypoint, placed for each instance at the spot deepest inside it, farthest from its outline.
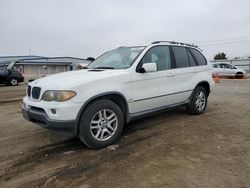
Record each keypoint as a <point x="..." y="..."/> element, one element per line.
<point x="21" y="79"/>
<point x="39" y="117"/>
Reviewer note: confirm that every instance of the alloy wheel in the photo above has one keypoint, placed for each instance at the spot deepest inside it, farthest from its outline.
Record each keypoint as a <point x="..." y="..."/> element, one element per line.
<point x="103" y="124"/>
<point x="200" y="100"/>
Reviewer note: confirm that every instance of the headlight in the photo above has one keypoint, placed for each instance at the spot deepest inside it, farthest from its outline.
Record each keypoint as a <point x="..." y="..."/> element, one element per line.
<point x="58" y="95"/>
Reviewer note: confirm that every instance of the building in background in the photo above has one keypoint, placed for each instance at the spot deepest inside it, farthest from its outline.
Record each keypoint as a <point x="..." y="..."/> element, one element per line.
<point x="37" y="66"/>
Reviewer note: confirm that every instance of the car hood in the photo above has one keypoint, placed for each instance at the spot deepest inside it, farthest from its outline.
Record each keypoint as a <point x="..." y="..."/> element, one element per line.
<point x="68" y="80"/>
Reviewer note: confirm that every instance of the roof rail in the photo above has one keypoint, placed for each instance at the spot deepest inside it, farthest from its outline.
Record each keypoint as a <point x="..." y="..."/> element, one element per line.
<point x="174" y="42"/>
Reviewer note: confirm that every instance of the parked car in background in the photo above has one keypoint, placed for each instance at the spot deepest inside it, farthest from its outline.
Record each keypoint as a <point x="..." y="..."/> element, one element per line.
<point x="10" y="76"/>
<point x="227" y="70"/>
<point x="123" y="84"/>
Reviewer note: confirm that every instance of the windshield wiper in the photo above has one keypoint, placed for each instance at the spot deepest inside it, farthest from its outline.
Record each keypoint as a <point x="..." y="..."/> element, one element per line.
<point x="103" y="68"/>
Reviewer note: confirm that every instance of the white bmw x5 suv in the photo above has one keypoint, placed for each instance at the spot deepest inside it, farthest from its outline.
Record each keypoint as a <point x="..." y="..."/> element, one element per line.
<point x="95" y="103"/>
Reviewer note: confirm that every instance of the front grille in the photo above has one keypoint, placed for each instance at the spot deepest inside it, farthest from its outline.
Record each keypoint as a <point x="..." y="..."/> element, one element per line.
<point x="29" y="91"/>
<point x="36" y="92"/>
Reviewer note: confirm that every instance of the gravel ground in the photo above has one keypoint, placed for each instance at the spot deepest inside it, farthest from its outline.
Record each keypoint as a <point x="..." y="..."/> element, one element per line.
<point x="171" y="149"/>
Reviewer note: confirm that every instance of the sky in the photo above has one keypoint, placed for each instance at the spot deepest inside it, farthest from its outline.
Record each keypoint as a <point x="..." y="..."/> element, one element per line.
<point x="83" y="28"/>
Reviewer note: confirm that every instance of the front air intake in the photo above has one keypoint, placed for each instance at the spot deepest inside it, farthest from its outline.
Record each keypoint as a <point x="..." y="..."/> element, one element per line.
<point x="36" y="92"/>
<point x="29" y="91"/>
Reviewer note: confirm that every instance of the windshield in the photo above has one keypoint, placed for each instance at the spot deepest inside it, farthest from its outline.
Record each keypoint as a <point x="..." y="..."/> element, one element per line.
<point x="11" y="65"/>
<point x="120" y="58"/>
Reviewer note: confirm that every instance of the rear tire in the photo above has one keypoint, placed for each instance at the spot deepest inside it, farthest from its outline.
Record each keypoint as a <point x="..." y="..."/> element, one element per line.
<point x="198" y="101"/>
<point x="101" y="124"/>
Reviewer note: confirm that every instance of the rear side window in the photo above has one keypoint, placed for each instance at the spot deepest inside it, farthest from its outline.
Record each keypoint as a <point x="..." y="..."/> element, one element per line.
<point x="191" y="59"/>
<point x="199" y="57"/>
<point x="181" y="57"/>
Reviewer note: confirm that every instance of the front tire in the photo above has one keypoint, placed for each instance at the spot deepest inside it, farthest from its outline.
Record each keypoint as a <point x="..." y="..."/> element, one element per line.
<point x="198" y="101"/>
<point x="13" y="82"/>
<point x="101" y="124"/>
<point x="239" y="75"/>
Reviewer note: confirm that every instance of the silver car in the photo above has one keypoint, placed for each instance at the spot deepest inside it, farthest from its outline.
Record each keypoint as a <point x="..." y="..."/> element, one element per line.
<point x="227" y="70"/>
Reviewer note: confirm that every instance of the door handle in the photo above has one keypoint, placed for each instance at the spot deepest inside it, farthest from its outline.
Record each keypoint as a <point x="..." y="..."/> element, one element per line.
<point x="170" y="74"/>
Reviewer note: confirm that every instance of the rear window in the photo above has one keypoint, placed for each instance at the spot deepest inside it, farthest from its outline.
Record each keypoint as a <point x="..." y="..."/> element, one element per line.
<point x="199" y="57"/>
<point x="181" y="57"/>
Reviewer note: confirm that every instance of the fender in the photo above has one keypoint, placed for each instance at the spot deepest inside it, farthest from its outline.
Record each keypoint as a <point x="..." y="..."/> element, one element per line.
<point x="78" y="117"/>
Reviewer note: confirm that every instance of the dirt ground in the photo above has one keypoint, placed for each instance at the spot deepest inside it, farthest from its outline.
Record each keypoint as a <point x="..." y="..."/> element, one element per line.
<point x="171" y="149"/>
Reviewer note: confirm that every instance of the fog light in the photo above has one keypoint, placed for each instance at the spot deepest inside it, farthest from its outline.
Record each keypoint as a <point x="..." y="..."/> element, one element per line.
<point x="53" y="111"/>
<point x="27" y="106"/>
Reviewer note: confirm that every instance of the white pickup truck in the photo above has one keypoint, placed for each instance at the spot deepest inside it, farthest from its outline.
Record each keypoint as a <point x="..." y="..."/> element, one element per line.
<point x="122" y="84"/>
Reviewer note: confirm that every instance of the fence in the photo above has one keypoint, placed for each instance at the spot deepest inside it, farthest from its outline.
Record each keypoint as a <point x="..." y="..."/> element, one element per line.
<point x="243" y="64"/>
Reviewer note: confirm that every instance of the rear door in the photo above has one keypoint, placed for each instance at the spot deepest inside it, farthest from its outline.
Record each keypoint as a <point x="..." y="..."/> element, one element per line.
<point x="185" y="70"/>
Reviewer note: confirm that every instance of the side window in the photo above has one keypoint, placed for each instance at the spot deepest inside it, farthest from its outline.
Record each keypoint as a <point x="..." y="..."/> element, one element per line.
<point x="181" y="57"/>
<point x="222" y="65"/>
<point x="215" y="66"/>
<point x="3" y="71"/>
<point x="228" y="66"/>
<point x="191" y="59"/>
<point x="199" y="57"/>
<point x="159" y="55"/>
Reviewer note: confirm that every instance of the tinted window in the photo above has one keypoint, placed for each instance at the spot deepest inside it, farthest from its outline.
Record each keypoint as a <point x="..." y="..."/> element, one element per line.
<point x="215" y="66"/>
<point x="191" y="59"/>
<point x="199" y="57"/>
<point x="227" y="66"/>
<point x="181" y="57"/>
<point x="159" y="55"/>
<point x="3" y="71"/>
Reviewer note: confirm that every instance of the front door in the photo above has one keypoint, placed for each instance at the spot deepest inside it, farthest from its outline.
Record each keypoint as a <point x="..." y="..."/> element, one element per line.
<point x="4" y="73"/>
<point x="152" y="90"/>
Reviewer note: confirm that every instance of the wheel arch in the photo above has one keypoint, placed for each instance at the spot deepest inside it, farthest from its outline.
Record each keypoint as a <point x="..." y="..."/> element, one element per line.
<point x="205" y="85"/>
<point x="114" y="96"/>
<point x="11" y="77"/>
<point x="239" y="72"/>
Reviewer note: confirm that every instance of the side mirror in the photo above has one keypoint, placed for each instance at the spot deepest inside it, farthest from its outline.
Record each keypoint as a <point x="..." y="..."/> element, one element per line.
<point x="149" y="67"/>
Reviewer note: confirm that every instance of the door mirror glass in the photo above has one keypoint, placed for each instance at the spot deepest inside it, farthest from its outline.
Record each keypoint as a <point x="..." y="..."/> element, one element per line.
<point x="149" y="67"/>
